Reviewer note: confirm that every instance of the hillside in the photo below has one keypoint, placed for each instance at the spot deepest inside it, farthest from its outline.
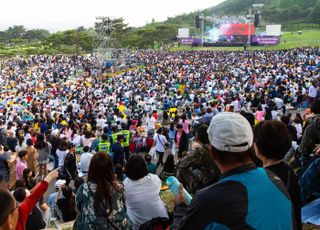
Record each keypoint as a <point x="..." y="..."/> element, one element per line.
<point x="274" y="11"/>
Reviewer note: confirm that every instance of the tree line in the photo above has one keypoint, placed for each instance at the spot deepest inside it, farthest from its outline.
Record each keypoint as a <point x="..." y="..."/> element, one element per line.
<point x="18" y="39"/>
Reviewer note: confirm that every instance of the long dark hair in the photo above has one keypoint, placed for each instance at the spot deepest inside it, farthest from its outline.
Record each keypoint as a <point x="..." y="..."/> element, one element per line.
<point x="68" y="195"/>
<point x="101" y="173"/>
<point x="165" y="115"/>
<point x="169" y="164"/>
<point x="40" y="143"/>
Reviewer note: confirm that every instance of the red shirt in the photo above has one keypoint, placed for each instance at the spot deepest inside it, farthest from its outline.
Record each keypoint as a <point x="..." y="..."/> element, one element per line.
<point x="29" y="203"/>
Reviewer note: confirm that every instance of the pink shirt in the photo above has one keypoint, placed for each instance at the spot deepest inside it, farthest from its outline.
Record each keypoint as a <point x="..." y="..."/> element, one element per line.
<point x="185" y="126"/>
<point x="259" y="115"/>
<point x="179" y="137"/>
<point x="20" y="166"/>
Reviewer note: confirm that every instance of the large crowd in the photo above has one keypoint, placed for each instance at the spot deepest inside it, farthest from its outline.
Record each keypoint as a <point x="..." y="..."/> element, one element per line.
<point x="240" y="130"/>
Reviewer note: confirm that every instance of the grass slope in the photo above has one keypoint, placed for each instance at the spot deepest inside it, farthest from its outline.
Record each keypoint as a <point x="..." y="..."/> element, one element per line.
<point x="288" y="40"/>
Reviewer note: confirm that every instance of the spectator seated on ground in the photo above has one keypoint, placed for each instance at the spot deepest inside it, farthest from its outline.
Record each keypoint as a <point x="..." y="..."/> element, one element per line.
<point x="152" y="167"/>
<point x="267" y="133"/>
<point x="119" y="173"/>
<point x="52" y="197"/>
<point x="169" y="168"/>
<point x="66" y="204"/>
<point x="235" y="202"/>
<point x="142" y="193"/>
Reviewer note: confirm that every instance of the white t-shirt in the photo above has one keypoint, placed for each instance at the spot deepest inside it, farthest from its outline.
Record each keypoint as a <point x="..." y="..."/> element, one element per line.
<point x="160" y="142"/>
<point x="61" y="155"/>
<point x="143" y="200"/>
<point x="101" y="122"/>
<point x="312" y="91"/>
<point x="85" y="160"/>
<point x="151" y="123"/>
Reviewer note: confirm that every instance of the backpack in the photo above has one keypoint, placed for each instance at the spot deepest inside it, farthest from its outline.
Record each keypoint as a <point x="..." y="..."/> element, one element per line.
<point x="70" y="166"/>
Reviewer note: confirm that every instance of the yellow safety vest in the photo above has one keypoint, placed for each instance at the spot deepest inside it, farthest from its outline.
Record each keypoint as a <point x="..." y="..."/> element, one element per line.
<point x="126" y="134"/>
<point x="104" y="146"/>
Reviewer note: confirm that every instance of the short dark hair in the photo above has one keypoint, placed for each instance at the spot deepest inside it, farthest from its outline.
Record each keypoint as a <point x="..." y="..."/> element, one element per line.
<point x="228" y="158"/>
<point x="273" y="139"/>
<point x="29" y="142"/>
<point x="202" y="135"/>
<point x="285" y="119"/>
<point x="86" y="149"/>
<point x="20" y="194"/>
<point x="22" y="153"/>
<point x="136" y="168"/>
<point x="7" y="203"/>
<point x="148" y="158"/>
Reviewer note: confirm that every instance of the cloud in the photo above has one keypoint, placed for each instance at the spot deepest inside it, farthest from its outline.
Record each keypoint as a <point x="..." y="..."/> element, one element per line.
<point x="66" y="14"/>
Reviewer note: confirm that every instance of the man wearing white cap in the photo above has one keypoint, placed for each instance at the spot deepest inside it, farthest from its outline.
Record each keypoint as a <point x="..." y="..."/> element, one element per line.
<point x="245" y="197"/>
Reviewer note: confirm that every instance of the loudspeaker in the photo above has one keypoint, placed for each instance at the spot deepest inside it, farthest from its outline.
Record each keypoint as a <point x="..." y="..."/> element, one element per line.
<point x="256" y="20"/>
<point x="197" y="21"/>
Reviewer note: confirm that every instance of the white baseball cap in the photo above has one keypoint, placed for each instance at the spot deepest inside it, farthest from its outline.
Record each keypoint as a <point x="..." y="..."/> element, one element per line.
<point x="59" y="183"/>
<point x="230" y="132"/>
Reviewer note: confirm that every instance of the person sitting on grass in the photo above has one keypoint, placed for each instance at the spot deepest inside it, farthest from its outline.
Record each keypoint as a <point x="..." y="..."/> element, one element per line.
<point x="152" y="167"/>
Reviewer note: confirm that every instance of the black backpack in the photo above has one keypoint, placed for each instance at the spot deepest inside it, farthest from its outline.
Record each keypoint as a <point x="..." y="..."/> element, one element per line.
<point x="70" y="166"/>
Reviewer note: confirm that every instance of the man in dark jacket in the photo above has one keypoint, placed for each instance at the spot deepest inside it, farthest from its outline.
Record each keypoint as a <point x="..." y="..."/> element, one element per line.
<point x="118" y="151"/>
<point x="246" y="197"/>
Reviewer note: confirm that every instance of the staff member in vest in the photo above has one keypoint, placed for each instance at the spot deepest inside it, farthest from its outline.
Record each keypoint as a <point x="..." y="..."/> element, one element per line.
<point x="126" y="142"/>
<point x="104" y="144"/>
<point x="115" y="135"/>
<point x="118" y="151"/>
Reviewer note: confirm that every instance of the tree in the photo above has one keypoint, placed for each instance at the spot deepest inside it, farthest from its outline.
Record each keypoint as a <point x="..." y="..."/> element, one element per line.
<point x="15" y="32"/>
<point x="315" y="13"/>
<point x="36" y="34"/>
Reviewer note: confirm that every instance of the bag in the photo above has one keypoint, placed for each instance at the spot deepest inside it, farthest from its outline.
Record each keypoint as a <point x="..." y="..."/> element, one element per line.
<point x="158" y="223"/>
<point x="153" y="154"/>
<point x="164" y="146"/>
<point x="174" y="149"/>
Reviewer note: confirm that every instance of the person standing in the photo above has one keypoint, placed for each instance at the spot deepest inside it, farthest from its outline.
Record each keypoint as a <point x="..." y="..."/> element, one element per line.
<point x="32" y="156"/>
<point x="159" y="142"/>
<point x="43" y="148"/>
<point x="21" y="164"/>
<point x="181" y="140"/>
<point x="151" y="123"/>
<point x="118" y="151"/>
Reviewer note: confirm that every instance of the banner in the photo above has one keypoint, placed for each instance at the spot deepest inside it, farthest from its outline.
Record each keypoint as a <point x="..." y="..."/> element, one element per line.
<point x="266" y="40"/>
<point x="186" y="41"/>
<point x="236" y="29"/>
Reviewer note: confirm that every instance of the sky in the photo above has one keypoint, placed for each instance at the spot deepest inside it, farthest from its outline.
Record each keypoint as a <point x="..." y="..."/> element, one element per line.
<point x="55" y="15"/>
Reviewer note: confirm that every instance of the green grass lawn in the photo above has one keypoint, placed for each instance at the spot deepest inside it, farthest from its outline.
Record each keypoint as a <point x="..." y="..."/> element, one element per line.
<point x="309" y="37"/>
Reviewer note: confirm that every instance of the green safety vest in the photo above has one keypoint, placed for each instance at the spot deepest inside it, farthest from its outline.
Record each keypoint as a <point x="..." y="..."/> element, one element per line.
<point x="104" y="146"/>
<point x="115" y="136"/>
<point x="126" y="134"/>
